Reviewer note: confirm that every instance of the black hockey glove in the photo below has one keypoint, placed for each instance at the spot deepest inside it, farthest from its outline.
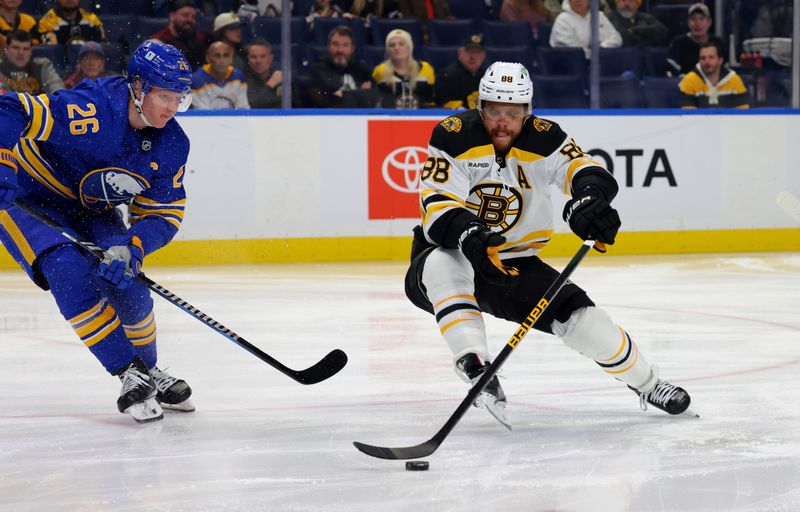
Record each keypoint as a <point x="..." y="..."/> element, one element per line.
<point x="481" y="246"/>
<point x="591" y="217"/>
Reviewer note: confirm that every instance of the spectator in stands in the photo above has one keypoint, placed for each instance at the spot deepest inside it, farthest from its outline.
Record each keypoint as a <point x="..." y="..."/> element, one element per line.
<point x="251" y="8"/>
<point x="684" y="51"/>
<point x="573" y="28"/>
<point x="12" y="19"/>
<point x="402" y="81"/>
<point x="68" y="23"/>
<point x="774" y="19"/>
<point x="556" y="7"/>
<point x="532" y="11"/>
<point x="20" y="73"/>
<point x="712" y="83"/>
<point x="263" y="76"/>
<point x="91" y="64"/>
<point x="218" y="85"/>
<point x="637" y="28"/>
<point x="338" y="80"/>
<point x="365" y="9"/>
<point x="228" y="28"/>
<point x="182" y="33"/>
<point x="424" y="10"/>
<point x="323" y="9"/>
<point x="457" y="84"/>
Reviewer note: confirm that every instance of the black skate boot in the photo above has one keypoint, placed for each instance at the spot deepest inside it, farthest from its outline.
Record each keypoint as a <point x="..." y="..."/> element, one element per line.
<point x="173" y="393"/>
<point x="138" y="395"/>
<point x="665" y="396"/>
<point x="470" y="368"/>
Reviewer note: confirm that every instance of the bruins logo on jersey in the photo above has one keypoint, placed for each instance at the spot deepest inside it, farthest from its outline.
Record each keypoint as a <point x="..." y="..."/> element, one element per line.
<point x="541" y="125"/>
<point x="452" y="124"/>
<point x="496" y="205"/>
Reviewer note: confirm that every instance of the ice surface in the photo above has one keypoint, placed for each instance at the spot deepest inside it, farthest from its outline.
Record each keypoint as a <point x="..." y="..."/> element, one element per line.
<point x="725" y="327"/>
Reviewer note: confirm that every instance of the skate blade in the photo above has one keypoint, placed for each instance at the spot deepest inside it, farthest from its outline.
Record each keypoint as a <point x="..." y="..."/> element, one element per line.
<point x="497" y="411"/>
<point x="185" y="406"/>
<point x="145" y="412"/>
<point x="689" y="414"/>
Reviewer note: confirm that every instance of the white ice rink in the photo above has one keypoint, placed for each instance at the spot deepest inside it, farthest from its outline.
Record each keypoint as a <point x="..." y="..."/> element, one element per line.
<point x="725" y="327"/>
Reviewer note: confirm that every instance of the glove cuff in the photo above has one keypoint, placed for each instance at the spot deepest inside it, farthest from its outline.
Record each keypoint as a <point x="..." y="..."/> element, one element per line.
<point x="8" y="159"/>
<point x="472" y="228"/>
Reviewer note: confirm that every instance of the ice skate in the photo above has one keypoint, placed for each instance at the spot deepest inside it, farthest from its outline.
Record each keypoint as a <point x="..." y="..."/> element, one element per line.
<point x="138" y="395"/>
<point x="667" y="397"/>
<point x="492" y="398"/>
<point x="172" y="393"/>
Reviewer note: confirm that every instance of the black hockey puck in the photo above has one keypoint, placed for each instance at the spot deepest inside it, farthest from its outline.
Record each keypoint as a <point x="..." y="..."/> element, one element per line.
<point x="417" y="465"/>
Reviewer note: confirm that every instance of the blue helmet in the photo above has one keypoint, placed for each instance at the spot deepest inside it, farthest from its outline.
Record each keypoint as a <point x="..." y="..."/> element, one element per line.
<point x="160" y="65"/>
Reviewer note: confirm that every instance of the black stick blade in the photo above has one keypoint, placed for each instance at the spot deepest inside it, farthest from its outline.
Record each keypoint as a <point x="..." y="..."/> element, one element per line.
<point x="326" y="368"/>
<point x="409" y="452"/>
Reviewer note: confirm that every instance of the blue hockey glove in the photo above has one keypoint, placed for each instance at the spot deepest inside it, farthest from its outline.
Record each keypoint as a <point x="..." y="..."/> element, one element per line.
<point x="481" y="246"/>
<point x="122" y="263"/>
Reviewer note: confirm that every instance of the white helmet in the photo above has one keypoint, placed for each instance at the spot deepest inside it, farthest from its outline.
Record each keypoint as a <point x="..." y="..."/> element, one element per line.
<point x="506" y="82"/>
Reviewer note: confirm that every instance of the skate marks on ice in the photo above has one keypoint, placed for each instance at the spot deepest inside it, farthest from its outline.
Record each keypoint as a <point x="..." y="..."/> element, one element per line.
<point x="724" y="327"/>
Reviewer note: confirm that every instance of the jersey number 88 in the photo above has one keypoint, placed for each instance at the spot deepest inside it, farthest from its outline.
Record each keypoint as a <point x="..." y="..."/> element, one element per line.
<point x="438" y="167"/>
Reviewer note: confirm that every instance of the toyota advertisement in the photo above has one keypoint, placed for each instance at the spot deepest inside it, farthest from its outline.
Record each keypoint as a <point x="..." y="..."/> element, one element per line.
<point x="397" y="151"/>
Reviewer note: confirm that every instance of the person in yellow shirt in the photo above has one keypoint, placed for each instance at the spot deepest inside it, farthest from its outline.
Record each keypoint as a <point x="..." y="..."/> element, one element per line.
<point x="68" y="23"/>
<point x="12" y="19"/>
<point x="403" y="82"/>
<point x="712" y="84"/>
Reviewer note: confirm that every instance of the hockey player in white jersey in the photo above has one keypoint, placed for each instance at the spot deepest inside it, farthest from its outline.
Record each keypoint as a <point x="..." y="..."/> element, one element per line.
<point x="486" y="212"/>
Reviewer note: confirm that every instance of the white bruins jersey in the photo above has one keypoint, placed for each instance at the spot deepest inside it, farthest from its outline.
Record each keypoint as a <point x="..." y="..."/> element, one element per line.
<point x="510" y="193"/>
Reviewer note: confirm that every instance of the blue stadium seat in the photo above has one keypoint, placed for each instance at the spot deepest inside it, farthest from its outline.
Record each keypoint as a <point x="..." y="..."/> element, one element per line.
<point x="620" y="92"/>
<point x="54" y="52"/>
<point x="661" y="92"/>
<point x="315" y="52"/>
<point x="440" y="56"/>
<point x="120" y="28"/>
<point x="380" y="27"/>
<point x="270" y="29"/>
<point x="655" y="60"/>
<point x="226" y="5"/>
<point x="468" y="9"/>
<point x="616" y="61"/>
<point x="301" y="7"/>
<point x="298" y="56"/>
<point x="323" y="26"/>
<point x="134" y="7"/>
<point x="507" y="33"/>
<point x="674" y="16"/>
<point x="205" y="23"/>
<point x="521" y="54"/>
<point x="32" y="7"/>
<point x="561" y="61"/>
<point x="146" y="27"/>
<point x="374" y="55"/>
<point x="565" y="91"/>
<point x="450" y="32"/>
<point x="115" y="56"/>
<point x="543" y="30"/>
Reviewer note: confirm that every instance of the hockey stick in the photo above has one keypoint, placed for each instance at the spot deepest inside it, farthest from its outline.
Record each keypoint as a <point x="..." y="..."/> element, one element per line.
<point x="789" y="203"/>
<point x="327" y="367"/>
<point x="430" y="446"/>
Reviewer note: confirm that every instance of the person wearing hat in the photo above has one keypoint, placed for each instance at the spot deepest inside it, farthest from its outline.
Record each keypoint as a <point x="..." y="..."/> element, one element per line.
<point x="228" y="29"/>
<point x="637" y="28"/>
<point x="684" y="51"/>
<point x="182" y="33"/>
<point x="91" y="64"/>
<point x="532" y="11"/>
<point x="457" y="84"/>
<point x="403" y="81"/>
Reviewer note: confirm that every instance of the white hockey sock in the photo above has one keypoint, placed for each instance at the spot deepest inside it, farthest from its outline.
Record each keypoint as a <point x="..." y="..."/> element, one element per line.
<point x="448" y="280"/>
<point x="591" y="332"/>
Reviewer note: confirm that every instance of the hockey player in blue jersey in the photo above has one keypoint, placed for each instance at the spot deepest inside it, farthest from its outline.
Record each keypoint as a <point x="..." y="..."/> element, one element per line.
<point x="76" y="155"/>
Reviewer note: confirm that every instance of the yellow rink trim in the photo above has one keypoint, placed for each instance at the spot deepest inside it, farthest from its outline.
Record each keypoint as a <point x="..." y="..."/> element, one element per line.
<point x="226" y="252"/>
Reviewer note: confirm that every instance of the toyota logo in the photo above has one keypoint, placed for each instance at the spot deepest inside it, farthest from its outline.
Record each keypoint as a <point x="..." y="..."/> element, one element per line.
<point x="403" y="165"/>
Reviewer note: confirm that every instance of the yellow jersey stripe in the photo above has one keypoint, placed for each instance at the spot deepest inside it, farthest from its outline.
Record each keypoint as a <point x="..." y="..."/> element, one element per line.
<point x="632" y="361"/>
<point x="142" y="212"/>
<point x="17" y="237"/>
<point x="523" y="156"/>
<point x="95" y="323"/>
<point x="477" y="152"/>
<point x="77" y="320"/>
<point x="470" y="298"/>
<point x="39" y="169"/>
<point x="142" y="324"/>
<point x="138" y="342"/>
<point x="47" y="117"/>
<point x="145" y="201"/>
<point x="621" y="346"/>
<point x="448" y="325"/>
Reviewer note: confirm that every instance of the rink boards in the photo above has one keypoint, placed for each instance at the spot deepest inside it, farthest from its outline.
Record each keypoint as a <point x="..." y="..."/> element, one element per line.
<point x="338" y="187"/>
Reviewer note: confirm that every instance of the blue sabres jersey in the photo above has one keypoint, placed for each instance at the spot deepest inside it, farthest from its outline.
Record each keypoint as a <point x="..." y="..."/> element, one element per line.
<point x="76" y="150"/>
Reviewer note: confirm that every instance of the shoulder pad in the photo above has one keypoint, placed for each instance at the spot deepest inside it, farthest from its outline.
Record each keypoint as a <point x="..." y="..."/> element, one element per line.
<point x="459" y="133"/>
<point x="540" y="136"/>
